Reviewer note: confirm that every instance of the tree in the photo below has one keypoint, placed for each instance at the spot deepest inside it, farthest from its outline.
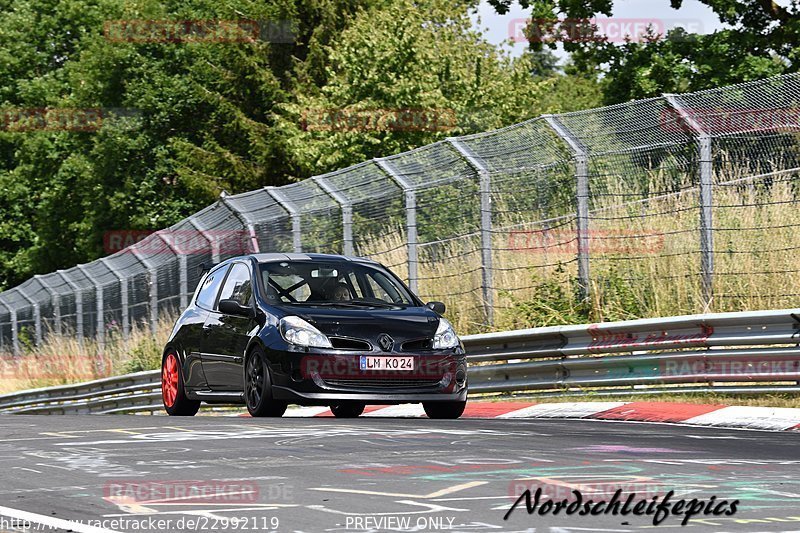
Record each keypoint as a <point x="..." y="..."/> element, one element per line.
<point x="419" y="59"/>
<point x="760" y="43"/>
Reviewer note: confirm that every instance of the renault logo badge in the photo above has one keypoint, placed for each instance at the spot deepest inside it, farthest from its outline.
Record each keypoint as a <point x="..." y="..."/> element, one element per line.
<point x="385" y="342"/>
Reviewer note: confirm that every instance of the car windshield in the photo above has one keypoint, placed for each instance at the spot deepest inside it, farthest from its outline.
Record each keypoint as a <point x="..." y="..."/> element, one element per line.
<point x="336" y="284"/>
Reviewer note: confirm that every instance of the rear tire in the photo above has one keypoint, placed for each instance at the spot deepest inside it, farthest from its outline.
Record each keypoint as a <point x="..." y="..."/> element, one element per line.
<point x="173" y="393"/>
<point x="258" y="387"/>
<point x="348" y="409"/>
<point x="444" y="410"/>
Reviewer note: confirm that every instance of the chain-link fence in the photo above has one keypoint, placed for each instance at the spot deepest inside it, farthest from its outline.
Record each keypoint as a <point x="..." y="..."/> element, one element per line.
<point x="684" y="203"/>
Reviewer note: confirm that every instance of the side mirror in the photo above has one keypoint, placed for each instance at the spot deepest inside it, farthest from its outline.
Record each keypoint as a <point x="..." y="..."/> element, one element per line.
<point x="232" y="307"/>
<point x="436" y="307"/>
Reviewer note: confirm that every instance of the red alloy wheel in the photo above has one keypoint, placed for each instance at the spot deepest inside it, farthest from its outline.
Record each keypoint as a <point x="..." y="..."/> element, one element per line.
<point x="169" y="380"/>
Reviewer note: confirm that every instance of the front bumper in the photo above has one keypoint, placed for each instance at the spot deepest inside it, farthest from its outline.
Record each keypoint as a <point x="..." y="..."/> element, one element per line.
<point x="320" y="378"/>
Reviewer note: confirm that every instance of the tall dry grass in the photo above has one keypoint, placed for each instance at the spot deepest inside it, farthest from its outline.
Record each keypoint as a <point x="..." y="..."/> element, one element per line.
<point x="62" y="359"/>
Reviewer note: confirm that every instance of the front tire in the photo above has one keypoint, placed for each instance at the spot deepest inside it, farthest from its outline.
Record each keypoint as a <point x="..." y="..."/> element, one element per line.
<point x="348" y="409"/>
<point x="173" y="393"/>
<point x="449" y="410"/>
<point x="258" y="387"/>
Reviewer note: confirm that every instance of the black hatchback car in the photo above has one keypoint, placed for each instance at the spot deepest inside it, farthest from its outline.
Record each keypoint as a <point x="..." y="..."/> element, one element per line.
<point x="268" y="330"/>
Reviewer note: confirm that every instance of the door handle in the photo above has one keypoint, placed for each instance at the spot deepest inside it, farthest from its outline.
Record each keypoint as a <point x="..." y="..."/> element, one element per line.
<point x="237" y="359"/>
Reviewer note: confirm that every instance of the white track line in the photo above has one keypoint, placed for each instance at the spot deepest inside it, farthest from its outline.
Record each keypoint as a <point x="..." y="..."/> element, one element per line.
<point x="562" y="410"/>
<point x="404" y="410"/>
<point x="771" y="418"/>
<point x="56" y="523"/>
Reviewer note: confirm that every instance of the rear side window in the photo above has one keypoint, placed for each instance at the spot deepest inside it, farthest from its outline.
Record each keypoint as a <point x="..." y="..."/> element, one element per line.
<point x="208" y="292"/>
<point x="238" y="285"/>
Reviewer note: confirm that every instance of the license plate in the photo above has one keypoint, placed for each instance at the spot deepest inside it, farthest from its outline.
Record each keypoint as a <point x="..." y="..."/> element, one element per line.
<point x="369" y="362"/>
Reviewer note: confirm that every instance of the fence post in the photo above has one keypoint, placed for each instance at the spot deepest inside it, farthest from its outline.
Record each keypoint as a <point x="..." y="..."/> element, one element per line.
<point x="484" y="176"/>
<point x="54" y="301"/>
<point x="100" y="333"/>
<point x="215" y="255"/>
<point x="37" y="317"/>
<point x="294" y="214"/>
<point x="347" y="212"/>
<point x="123" y="296"/>
<point x="411" y="220"/>
<point x="14" y="333"/>
<point x="78" y="305"/>
<point x="183" y="278"/>
<point x="251" y="230"/>
<point x="152" y="289"/>
<point x="580" y="153"/>
<point x="706" y="197"/>
<point x="2" y="342"/>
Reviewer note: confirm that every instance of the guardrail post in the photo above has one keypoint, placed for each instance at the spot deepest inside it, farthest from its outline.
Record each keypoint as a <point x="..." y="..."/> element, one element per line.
<point x="580" y="153"/>
<point x="251" y="230"/>
<point x="347" y="212"/>
<point x="100" y="333"/>
<point x="293" y="213"/>
<point x="37" y="318"/>
<point x="704" y="145"/>
<point x="78" y="305"/>
<point x="487" y="283"/>
<point x="124" y="303"/>
<point x="152" y="289"/>
<point x="411" y="220"/>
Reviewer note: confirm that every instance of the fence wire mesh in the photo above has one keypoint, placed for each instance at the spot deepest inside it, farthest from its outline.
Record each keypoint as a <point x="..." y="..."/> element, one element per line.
<point x="678" y="204"/>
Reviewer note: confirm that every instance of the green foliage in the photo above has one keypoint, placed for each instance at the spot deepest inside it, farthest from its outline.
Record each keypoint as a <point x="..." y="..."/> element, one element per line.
<point x="194" y="119"/>
<point x="557" y="300"/>
<point x="145" y="355"/>
<point x="759" y="41"/>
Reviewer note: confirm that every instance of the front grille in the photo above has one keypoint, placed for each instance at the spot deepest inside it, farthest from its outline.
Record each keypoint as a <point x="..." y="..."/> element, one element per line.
<point x="384" y="383"/>
<point x="344" y="343"/>
<point x="417" y="345"/>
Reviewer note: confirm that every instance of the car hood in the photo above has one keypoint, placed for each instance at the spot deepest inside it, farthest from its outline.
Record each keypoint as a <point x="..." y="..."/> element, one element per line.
<point x="400" y="323"/>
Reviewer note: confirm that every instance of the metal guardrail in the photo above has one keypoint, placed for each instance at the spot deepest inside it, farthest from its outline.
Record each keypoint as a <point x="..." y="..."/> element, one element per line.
<point x="744" y="353"/>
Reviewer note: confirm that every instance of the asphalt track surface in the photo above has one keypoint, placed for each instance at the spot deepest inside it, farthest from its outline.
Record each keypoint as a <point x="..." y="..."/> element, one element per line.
<point x="306" y="474"/>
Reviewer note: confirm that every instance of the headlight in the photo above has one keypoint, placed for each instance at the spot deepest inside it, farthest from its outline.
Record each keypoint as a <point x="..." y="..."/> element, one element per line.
<point x="297" y="331"/>
<point x="445" y="336"/>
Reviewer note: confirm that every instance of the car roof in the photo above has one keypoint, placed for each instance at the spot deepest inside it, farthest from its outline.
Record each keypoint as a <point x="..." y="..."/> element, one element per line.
<point x="272" y="257"/>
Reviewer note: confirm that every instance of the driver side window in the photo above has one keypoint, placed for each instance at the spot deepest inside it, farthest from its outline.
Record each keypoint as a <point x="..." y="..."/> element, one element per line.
<point x="238" y="285"/>
<point x="208" y="292"/>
